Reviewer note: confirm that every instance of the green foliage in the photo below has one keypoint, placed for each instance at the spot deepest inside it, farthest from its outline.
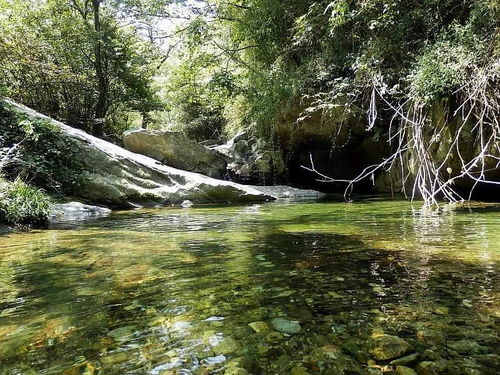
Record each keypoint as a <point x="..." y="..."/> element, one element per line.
<point x="45" y="157"/>
<point x="48" y="60"/>
<point x="327" y="53"/>
<point x="268" y="56"/>
<point x="23" y="204"/>
<point x="444" y="66"/>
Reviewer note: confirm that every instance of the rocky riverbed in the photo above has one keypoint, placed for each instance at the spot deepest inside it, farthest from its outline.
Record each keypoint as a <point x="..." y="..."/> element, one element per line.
<point x="294" y="288"/>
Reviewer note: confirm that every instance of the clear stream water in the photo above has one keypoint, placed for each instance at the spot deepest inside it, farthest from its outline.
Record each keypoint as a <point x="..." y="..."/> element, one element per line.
<point x="280" y="288"/>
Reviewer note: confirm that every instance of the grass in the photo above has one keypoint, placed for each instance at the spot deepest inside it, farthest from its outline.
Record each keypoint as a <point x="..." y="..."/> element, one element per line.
<point x="21" y="204"/>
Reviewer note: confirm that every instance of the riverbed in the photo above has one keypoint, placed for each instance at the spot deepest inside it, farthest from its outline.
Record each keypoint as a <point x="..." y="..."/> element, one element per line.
<point x="297" y="288"/>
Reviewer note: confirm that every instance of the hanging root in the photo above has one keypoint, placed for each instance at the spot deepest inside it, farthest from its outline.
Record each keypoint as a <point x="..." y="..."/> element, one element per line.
<point x="414" y="138"/>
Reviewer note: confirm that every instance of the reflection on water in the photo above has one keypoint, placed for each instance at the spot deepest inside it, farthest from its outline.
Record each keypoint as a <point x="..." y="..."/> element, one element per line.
<point x="301" y="288"/>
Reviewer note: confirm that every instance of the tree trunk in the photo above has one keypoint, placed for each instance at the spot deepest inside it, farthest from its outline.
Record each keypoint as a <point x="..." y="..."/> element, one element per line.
<point x="102" y="85"/>
<point x="146" y="120"/>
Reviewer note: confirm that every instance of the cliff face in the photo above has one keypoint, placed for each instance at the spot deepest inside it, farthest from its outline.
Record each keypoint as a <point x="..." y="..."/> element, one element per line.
<point x="456" y="153"/>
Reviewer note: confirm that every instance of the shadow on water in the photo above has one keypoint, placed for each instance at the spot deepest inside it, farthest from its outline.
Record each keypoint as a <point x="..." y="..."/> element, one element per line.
<point x="175" y="292"/>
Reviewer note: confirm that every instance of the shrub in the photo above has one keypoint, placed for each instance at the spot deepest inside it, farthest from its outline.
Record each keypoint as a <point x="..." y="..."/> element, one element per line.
<point x="45" y="156"/>
<point x="23" y="204"/>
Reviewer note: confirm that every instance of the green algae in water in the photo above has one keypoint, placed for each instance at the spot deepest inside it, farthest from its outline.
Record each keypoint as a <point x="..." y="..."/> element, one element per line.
<point x="196" y="291"/>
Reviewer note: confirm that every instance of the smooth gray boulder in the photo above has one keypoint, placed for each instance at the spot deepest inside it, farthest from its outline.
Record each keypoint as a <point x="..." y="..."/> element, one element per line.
<point x="176" y="150"/>
<point x="116" y="177"/>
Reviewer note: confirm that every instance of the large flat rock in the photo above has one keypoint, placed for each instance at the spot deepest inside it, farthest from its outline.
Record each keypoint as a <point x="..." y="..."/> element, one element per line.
<point x="117" y="177"/>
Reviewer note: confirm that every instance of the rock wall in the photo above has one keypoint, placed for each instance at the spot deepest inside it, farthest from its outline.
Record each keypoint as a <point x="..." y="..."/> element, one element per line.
<point x="342" y="147"/>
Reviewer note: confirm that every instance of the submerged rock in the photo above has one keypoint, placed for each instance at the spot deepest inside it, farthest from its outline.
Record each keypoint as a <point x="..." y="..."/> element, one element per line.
<point x="466" y="347"/>
<point x="489" y="360"/>
<point x="113" y="359"/>
<point x="406" y="359"/>
<point x="386" y="347"/>
<point x="176" y="150"/>
<point x="227" y="346"/>
<point x="274" y="337"/>
<point x="430" y="336"/>
<point x="122" y="333"/>
<point x="403" y="370"/>
<point x="260" y="327"/>
<point x="299" y="370"/>
<point x="286" y="326"/>
<point x="427" y="368"/>
<point x="235" y="371"/>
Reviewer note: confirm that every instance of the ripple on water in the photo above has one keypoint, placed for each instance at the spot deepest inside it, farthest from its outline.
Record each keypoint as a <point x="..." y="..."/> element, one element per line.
<point x="171" y="291"/>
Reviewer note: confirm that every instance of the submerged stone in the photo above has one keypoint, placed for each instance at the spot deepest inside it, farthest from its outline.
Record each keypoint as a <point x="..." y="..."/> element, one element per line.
<point x="274" y="337"/>
<point x="430" y="337"/>
<point x="235" y="371"/>
<point x="403" y="370"/>
<point x="335" y="295"/>
<point x="488" y="360"/>
<point x="467" y="347"/>
<point x="260" y="327"/>
<point x="386" y="347"/>
<point x="227" y="346"/>
<point x="122" y="333"/>
<point x="442" y="311"/>
<point x="427" y="368"/>
<point x="299" y="370"/>
<point x="286" y="326"/>
<point x="114" y="358"/>
<point x="405" y="360"/>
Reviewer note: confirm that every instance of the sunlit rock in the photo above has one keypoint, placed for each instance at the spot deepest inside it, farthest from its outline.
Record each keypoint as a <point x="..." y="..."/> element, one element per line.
<point x="385" y="347"/>
<point x="76" y="211"/>
<point x="251" y="161"/>
<point x="176" y="150"/>
<point x="116" y="177"/>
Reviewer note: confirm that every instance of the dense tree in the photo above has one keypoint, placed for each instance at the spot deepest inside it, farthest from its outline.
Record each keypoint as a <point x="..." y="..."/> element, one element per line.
<point x="387" y="64"/>
<point x="220" y="66"/>
<point x="74" y="60"/>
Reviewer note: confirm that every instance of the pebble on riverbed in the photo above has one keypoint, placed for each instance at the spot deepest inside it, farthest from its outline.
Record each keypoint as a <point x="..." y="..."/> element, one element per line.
<point x="386" y="347"/>
<point x="286" y="326"/>
<point x="260" y="327"/>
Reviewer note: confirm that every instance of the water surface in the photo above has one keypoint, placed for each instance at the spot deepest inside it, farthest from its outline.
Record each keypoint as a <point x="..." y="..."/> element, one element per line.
<point x="194" y="291"/>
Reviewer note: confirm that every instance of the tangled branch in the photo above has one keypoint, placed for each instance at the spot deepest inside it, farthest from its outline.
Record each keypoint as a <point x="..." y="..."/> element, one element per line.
<point x="415" y="142"/>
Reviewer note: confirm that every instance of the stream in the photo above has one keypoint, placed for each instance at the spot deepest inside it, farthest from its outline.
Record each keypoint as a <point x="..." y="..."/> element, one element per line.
<point x="298" y="288"/>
